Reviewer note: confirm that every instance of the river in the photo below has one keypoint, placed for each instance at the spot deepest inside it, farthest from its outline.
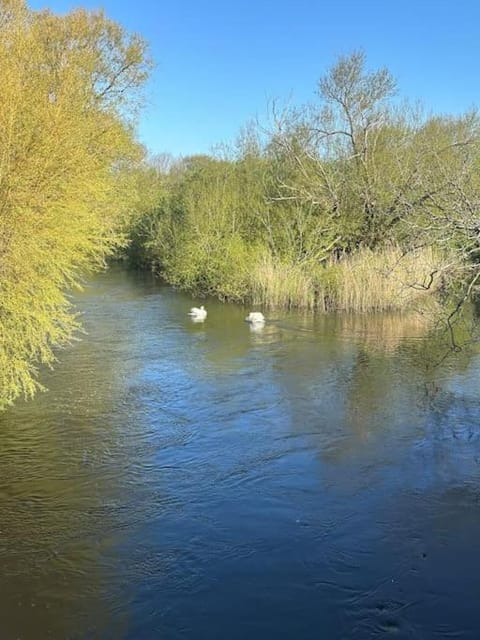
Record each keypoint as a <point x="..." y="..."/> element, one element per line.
<point x="315" y="478"/>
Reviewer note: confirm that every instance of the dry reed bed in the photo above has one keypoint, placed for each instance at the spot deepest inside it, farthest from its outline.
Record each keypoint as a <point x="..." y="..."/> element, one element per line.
<point x="383" y="280"/>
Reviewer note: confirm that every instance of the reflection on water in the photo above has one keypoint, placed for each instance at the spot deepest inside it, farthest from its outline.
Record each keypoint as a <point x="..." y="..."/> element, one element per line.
<point x="256" y="327"/>
<point x="386" y="331"/>
<point x="226" y="480"/>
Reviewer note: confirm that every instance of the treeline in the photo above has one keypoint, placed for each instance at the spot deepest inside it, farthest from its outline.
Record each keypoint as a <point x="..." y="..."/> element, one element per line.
<point x="68" y="159"/>
<point x="357" y="201"/>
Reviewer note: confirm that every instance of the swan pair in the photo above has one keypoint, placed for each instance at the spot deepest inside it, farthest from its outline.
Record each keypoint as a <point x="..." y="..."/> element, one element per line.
<point x="255" y="317"/>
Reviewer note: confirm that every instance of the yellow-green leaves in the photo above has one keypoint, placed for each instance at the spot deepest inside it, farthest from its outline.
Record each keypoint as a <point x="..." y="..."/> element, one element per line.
<point x="70" y="90"/>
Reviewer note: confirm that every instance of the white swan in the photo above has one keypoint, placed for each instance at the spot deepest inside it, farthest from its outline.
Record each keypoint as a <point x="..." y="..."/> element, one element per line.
<point x="198" y="314"/>
<point x="255" y="317"/>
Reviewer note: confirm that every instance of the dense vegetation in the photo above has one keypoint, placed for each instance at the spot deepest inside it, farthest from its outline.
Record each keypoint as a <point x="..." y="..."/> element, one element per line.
<point x="356" y="202"/>
<point x="67" y="171"/>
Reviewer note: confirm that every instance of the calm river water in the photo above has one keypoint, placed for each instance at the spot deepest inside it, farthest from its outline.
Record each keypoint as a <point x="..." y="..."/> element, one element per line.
<point x="312" y="480"/>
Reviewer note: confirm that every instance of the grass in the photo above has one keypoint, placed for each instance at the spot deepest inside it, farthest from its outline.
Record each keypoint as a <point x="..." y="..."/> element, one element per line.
<point x="367" y="281"/>
<point x="386" y="280"/>
<point x="276" y="284"/>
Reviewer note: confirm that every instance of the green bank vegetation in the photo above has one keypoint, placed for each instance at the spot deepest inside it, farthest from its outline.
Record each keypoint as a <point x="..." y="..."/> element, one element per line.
<point x="68" y="158"/>
<point x="356" y="202"/>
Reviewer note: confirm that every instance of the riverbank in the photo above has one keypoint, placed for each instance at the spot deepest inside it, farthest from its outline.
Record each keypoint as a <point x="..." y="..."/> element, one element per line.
<point x="348" y="203"/>
<point x="381" y="280"/>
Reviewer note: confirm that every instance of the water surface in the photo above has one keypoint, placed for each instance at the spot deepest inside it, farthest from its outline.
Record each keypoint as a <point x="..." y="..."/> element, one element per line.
<point x="312" y="479"/>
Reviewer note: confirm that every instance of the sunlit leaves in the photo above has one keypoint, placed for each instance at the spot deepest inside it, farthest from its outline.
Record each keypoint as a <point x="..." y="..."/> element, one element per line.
<point x="70" y="89"/>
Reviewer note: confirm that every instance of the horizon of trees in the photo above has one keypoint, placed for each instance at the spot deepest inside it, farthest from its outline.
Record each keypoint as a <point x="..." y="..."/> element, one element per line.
<point x="356" y="201"/>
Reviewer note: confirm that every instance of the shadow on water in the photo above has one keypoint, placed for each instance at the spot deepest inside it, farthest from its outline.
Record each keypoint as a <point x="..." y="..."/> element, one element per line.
<point x="211" y="480"/>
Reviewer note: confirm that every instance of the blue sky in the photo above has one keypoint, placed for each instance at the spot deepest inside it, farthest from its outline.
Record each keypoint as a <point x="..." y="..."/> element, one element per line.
<point x="218" y="63"/>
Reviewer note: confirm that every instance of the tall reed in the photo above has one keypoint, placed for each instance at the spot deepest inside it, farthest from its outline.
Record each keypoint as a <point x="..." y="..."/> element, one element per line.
<point x="382" y="280"/>
<point x="385" y="280"/>
<point x="279" y="284"/>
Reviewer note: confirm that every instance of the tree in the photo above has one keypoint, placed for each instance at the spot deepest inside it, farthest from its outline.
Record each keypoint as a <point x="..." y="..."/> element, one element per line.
<point x="333" y="149"/>
<point x="70" y="92"/>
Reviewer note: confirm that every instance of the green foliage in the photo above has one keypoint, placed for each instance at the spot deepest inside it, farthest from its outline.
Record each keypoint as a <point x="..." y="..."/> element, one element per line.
<point x="69" y="94"/>
<point x="214" y="268"/>
<point x="355" y="202"/>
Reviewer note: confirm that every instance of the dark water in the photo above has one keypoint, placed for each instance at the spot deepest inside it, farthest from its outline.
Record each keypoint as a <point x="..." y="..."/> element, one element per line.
<point x="202" y="481"/>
